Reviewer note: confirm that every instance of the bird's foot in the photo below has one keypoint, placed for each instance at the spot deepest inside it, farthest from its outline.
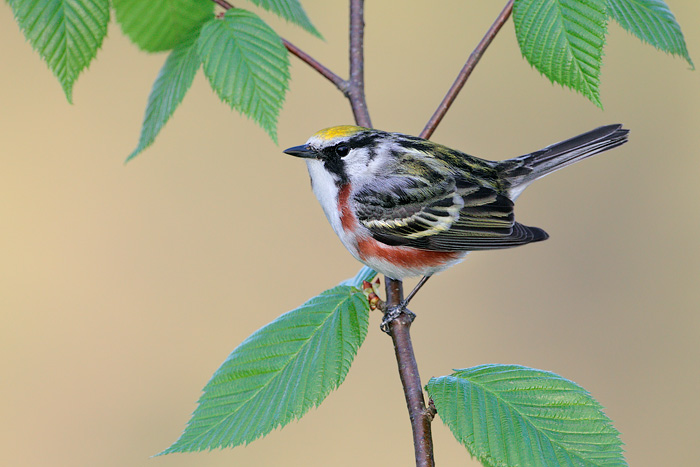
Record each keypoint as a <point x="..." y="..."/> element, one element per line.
<point x="394" y="312"/>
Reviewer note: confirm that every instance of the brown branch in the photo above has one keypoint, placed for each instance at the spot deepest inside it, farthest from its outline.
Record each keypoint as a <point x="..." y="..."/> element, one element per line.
<point x="421" y="417"/>
<point x="466" y="71"/>
<point x="223" y="4"/>
<point x="339" y="82"/>
<point x="356" y="87"/>
<point x="399" y="328"/>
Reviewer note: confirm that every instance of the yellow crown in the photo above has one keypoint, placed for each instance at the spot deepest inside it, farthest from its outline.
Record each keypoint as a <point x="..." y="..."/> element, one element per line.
<point x="338" y="131"/>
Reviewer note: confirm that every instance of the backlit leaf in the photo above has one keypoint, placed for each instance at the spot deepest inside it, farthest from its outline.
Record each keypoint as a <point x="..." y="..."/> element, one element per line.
<point x="653" y="22"/>
<point x="66" y="33"/>
<point x="157" y="25"/>
<point x="247" y="65"/>
<point x="291" y="10"/>
<point x="510" y="415"/>
<point x="564" y="39"/>
<point x="281" y="371"/>
<point x="170" y="87"/>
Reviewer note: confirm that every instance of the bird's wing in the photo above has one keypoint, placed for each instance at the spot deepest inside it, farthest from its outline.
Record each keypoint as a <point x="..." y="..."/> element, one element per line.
<point x="446" y="214"/>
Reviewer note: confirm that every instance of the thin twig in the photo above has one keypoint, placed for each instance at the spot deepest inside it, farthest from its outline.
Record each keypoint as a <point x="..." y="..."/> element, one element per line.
<point x="339" y="82"/>
<point x="223" y="4"/>
<point x="421" y="417"/>
<point x="356" y="88"/>
<point x="466" y="71"/>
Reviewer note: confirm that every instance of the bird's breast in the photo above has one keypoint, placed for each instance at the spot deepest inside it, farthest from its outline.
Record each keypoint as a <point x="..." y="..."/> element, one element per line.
<point x="348" y="220"/>
<point x="394" y="261"/>
<point x="328" y="194"/>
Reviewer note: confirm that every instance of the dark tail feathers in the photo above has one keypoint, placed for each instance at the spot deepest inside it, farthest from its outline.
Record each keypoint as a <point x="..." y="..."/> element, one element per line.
<point x="521" y="171"/>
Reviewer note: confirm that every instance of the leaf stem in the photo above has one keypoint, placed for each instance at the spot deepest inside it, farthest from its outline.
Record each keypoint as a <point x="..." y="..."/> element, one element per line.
<point x="339" y="82"/>
<point x="466" y="71"/>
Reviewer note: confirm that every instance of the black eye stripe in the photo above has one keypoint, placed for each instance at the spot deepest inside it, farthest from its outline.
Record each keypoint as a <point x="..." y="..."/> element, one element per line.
<point x="333" y="155"/>
<point x="363" y="140"/>
<point x="336" y="166"/>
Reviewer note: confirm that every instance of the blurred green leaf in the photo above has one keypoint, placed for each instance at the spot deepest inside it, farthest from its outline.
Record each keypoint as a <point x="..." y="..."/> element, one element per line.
<point x="278" y="373"/>
<point x="510" y="415"/>
<point x="291" y="10"/>
<point x="157" y="25"/>
<point x="66" y="33"/>
<point x="247" y="65"/>
<point x="563" y="39"/>
<point x="653" y="22"/>
<point x="170" y="87"/>
<point x="364" y="274"/>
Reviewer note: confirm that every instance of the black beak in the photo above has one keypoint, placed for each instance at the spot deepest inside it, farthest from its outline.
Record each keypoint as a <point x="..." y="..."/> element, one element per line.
<point x="303" y="151"/>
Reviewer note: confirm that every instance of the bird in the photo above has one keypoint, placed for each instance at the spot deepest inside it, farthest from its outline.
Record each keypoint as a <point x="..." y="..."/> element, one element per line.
<point x="406" y="206"/>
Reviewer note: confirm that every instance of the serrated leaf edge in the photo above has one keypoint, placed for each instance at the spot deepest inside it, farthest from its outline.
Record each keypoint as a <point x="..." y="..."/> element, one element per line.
<point x="683" y="53"/>
<point x="352" y="293"/>
<point x="71" y="75"/>
<point x="486" y="457"/>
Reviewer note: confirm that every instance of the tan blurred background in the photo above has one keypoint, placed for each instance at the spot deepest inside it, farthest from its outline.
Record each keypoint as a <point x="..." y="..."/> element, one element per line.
<point x="123" y="288"/>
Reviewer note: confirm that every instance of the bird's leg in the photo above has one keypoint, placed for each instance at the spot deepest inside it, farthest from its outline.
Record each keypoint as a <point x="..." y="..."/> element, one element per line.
<point x="394" y="312"/>
<point x="420" y="284"/>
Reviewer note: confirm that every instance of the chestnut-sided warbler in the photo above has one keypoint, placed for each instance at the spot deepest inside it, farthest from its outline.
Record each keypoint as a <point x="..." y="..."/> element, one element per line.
<point x="405" y="206"/>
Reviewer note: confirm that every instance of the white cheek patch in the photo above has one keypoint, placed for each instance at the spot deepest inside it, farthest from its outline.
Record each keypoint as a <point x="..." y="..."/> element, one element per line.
<point x="324" y="186"/>
<point x="356" y="164"/>
<point x="326" y="191"/>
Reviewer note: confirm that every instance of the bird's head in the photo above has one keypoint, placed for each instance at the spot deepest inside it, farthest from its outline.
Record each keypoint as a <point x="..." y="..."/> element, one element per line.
<point x="347" y="153"/>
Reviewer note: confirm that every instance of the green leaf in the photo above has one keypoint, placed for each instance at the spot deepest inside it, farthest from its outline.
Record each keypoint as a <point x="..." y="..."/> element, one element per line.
<point x="364" y="274"/>
<point x="247" y="65"/>
<point x="653" y="22"/>
<point x="510" y="415"/>
<point x="291" y="10"/>
<point x="564" y="39"/>
<point x="157" y="25"/>
<point x="278" y="373"/>
<point x="66" y="33"/>
<point x="170" y="87"/>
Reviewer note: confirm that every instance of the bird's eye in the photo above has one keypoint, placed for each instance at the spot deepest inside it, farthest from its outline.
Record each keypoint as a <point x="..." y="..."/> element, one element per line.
<point x="341" y="150"/>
